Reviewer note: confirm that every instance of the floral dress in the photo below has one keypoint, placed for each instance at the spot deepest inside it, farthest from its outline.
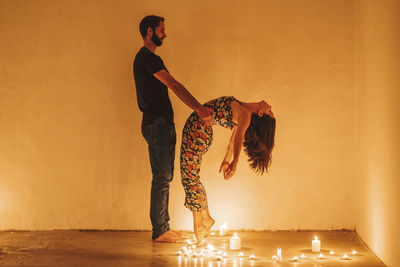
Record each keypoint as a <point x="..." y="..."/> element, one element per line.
<point x="196" y="139"/>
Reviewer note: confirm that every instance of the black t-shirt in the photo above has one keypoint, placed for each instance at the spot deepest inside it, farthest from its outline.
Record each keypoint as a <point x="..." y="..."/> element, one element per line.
<point x="152" y="94"/>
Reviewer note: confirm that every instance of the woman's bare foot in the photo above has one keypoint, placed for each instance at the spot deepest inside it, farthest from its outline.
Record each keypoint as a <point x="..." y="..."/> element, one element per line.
<point x="200" y="232"/>
<point x="169" y="237"/>
<point x="176" y="233"/>
<point x="208" y="223"/>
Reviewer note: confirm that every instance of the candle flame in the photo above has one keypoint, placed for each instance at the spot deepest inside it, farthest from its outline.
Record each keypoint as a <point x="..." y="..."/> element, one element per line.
<point x="316" y="238"/>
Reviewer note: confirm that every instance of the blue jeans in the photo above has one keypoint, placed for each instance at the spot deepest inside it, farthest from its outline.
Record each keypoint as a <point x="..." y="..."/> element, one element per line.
<point x="160" y="136"/>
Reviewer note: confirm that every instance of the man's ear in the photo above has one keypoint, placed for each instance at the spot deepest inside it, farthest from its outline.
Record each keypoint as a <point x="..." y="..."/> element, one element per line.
<point x="260" y="113"/>
<point x="149" y="30"/>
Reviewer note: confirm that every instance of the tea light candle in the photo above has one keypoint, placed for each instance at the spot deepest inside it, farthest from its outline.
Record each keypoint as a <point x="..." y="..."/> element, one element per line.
<point x="345" y="257"/>
<point x="303" y="257"/>
<point x="225" y="255"/>
<point x="321" y="256"/>
<point x="210" y="250"/>
<point x="241" y="254"/>
<point x="316" y="245"/>
<point x="354" y="252"/>
<point x="274" y="258"/>
<point x="252" y="257"/>
<point x="332" y="252"/>
<point x="179" y="253"/>
<point x="279" y="253"/>
<point x="223" y="229"/>
<point x="235" y="242"/>
<point x="295" y="258"/>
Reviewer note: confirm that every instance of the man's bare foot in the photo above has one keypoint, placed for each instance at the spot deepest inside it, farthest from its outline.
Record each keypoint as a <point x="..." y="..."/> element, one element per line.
<point x="208" y="223"/>
<point x="176" y="233"/>
<point x="169" y="237"/>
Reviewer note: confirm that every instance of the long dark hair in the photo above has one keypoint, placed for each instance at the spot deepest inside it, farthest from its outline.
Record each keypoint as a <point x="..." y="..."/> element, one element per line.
<point x="259" y="140"/>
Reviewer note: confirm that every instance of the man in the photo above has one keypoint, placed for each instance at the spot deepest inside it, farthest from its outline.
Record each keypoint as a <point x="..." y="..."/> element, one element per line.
<point x="152" y="81"/>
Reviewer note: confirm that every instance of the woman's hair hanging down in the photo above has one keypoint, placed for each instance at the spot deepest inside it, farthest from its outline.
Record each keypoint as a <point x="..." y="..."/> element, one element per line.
<point x="259" y="142"/>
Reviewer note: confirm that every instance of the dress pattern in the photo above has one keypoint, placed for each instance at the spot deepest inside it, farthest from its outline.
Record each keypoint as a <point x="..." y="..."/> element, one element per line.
<point x="196" y="139"/>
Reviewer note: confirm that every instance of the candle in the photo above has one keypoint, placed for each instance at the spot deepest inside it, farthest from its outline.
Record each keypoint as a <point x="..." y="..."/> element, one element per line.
<point x="295" y="258"/>
<point x="225" y="255"/>
<point x="354" y="252"/>
<point x="332" y="252"/>
<point x="219" y="258"/>
<point x="316" y="245"/>
<point x="235" y="242"/>
<point x="303" y="257"/>
<point x="279" y="254"/>
<point x="321" y="256"/>
<point x="274" y="258"/>
<point x="179" y="253"/>
<point x="345" y="257"/>
<point x="223" y="229"/>
<point x="252" y="257"/>
<point x="241" y="254"/>
<point x="210" y="250"/>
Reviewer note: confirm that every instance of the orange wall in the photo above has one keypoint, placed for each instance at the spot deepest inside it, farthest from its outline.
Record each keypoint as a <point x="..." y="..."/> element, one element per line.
<point x="72" y="155"/>
<point x="377" y="126"/>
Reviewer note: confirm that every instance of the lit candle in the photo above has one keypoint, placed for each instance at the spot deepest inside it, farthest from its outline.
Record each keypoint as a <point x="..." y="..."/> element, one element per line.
<point x="274" y="258"/>
<point x="179" y="253"/>
<point x="219" y="258"/>
<point x="210" y="250"/>
<point x="332" y="252"/>
<point x="345" y="257"/>
<point x="279" y="254"/>
<point x="316" y="245"/>
<point x="235" y="242"/>
<point x="212" y="233"/>
<point x="354" y="252"/>
<point x="252" y="257"/>
<point x="295" y="258"/>
<point x="241" y="254"/>
<point x="225" y="255"/>
<point x="321" y="256"/>
<point x="223" y="229"/>
<point x="303" y="257"/>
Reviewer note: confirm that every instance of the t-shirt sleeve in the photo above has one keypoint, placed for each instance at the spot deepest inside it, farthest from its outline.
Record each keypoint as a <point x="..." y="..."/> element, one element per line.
<point x="153" y="64"/>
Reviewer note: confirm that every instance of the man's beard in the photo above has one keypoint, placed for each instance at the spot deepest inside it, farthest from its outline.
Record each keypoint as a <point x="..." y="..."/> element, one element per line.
<point x="157" y="41"/>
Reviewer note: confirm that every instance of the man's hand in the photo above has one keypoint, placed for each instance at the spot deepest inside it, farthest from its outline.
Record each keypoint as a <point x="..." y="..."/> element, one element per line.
<point x="205" y="114"/>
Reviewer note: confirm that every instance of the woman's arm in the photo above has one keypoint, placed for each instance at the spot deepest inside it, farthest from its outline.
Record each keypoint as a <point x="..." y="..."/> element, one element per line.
<point x="229" y="152"/>
<point x="243" y="118"/>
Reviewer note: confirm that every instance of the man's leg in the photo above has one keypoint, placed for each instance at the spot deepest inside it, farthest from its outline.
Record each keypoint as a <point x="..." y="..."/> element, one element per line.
<point x="161" y="139"/>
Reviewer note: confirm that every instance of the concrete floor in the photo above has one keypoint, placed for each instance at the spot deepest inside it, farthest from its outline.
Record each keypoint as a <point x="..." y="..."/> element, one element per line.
<point x="116" y="248"/>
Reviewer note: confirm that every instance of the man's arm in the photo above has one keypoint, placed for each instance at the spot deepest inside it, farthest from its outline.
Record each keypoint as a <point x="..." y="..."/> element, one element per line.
<point x="184" y="95"/>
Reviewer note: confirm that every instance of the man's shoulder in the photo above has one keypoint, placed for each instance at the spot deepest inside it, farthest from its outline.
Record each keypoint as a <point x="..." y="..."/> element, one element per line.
<point x="145" y="55"/>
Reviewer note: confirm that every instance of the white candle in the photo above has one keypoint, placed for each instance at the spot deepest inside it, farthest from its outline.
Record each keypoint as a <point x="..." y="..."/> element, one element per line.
<point x="316" y="245"/>
<point x="345" y="257"/>
<point x="252" y="257"/>
<point x="235" y="242"/>
<point x="279" y="254"/>
<point x="210" y="250"/>
<point x="321" y="256"/>
<point x="223" y="229"/>
<point x="303" y="257"/>
<point x="274" y="258"/>
<point x="241" y="254"/>
<point x="295" y="258"/>
<point x="332" y="252"/>
<point x="354" y="252"/>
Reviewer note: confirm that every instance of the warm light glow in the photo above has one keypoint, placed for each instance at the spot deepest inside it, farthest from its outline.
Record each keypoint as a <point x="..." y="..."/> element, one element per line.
<point x="303" y="256"/>
<point x="316" y="238"/>
<point x="241" y="254"/>
<point x="252" y="257"/>
<point x="354" y="252"/>
<point x="332" y="252"/>
<point x="321" y="256"/>
<point x="274" y="258"/>
<point x="295" y="258"/>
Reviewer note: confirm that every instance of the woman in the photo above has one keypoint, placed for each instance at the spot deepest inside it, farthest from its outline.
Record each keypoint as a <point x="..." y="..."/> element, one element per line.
<point x="253" y="127"/>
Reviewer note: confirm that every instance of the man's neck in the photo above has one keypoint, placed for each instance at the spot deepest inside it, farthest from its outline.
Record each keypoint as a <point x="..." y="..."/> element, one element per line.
<point x="150" y="45"/>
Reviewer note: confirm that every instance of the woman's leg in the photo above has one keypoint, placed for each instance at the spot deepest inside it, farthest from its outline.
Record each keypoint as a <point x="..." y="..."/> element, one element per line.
<point x="200" y="230"/>
<point x="207" y="220"/>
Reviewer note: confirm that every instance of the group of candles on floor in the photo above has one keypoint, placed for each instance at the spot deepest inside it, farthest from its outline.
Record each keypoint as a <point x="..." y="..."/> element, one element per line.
<point x="235" y="245"/>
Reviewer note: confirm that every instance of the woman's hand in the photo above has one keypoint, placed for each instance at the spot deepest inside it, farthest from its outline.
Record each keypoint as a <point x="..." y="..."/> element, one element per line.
<point x="230" y="171"/>
<point x="224" y="166"/>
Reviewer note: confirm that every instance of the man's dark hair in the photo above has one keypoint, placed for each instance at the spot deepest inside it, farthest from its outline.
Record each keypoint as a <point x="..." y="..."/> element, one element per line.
<point x="149" y="21"/>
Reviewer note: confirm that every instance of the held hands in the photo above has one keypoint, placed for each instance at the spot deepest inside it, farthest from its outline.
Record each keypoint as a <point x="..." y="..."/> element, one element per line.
<point x="228" y="169"/>
<point x="205" y="114"/>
